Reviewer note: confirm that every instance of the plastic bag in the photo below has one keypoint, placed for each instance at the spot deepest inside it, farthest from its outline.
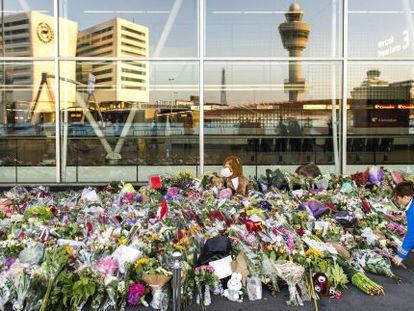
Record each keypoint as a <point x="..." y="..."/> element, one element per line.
<point x="159" y="298"/>
<point x="31" y="255"/>
<point x="254" y="288"/>
<point x="89" y="195"/>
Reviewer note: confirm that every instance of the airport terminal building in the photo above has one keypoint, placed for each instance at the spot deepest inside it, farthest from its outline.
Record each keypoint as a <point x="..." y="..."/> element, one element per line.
<point x="96" y="91"/>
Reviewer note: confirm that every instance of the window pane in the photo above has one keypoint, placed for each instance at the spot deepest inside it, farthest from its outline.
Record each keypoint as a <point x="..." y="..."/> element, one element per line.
<point x="139" y="28"/>
<point x="236" y="28"/>
<point x="128" y="120"/>
<point x="254" y="112"/>
<point x="380" y="118"/>
<point x="381" y="28"/>
<point x="28" y="28"/>
<point x="27" y="122"/>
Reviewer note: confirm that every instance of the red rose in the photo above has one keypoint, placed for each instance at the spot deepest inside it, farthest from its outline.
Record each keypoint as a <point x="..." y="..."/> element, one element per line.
<point x="53" y="209"/>
<point x="300" y="232"/>
<point x="89" y="227"/>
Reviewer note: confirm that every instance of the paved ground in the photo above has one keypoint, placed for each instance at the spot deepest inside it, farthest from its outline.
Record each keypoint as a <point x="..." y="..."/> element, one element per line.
<point x="397" y="297"/>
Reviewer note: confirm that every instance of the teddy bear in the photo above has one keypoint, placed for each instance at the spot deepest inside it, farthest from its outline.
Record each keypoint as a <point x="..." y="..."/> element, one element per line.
<point x="234" y="286"/>
<point x="309" y="170"/>
<point x="232" y="176"/>
<point x="320" y="284"/>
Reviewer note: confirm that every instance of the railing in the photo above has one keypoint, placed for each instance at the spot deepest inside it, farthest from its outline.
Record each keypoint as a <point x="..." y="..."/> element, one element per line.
<point x="182" y="150"/>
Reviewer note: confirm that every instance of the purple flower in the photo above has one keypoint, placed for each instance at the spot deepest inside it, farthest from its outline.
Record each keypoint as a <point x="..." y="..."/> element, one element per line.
<point x="135" y="293"/>
<point x="375" y="175"/>
<point x="265" y="205"/>
<point x="8" y="262"/>
<point x="172" y="193"/>
<point x="289" y="238"/>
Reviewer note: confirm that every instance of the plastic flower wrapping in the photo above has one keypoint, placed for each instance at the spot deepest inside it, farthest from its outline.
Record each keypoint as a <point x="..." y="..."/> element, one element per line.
<point x="112" y="247"/>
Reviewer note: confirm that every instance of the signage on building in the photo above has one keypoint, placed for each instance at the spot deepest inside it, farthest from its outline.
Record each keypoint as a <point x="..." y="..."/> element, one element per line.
<point x="392" y="45"/>
<point x="406" y="106"/>
<point x="381" y="117"/>
<point x="385" y="106"/>
<point x="394" y="106"/>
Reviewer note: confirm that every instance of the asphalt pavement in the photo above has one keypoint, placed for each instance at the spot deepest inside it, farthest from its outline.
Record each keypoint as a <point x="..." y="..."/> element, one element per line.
<point x="398" y="297"/>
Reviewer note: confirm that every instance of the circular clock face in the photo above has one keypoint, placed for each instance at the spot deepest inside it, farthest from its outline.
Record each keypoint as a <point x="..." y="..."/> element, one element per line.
<point x="44" y="33"/>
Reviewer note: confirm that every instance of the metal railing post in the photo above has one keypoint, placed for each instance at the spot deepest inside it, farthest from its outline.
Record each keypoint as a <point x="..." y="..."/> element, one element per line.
<point x="176" y="266"/>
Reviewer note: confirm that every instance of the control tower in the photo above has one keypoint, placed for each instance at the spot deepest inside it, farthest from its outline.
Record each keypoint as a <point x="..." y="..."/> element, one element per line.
<point x="295" y="35"/>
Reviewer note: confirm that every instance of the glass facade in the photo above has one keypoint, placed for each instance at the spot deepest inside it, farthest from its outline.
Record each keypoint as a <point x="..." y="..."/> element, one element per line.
<point x="94" y="91"/>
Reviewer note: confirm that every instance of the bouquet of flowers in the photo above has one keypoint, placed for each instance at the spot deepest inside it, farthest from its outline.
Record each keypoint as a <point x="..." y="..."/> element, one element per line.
<point x="373" y="262"/>
<point x="293" y="274"/>
<point x="155" y="276"/>
<point x="360" y="280"/>
<point x="204" y="275"/>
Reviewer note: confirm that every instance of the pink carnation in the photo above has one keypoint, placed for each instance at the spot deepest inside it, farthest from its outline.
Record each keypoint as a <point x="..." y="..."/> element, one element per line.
<point x="135" y="293"/>
<point x="130" y="196"/>
<point x="107" y="266"/>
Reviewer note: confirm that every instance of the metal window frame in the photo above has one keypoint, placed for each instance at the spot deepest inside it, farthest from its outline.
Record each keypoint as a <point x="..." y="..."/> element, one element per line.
<point x="57" y="94"/>
<point x="201" y="58"/>
<point x="201" y="55"/>
<point x="344" y="128"/>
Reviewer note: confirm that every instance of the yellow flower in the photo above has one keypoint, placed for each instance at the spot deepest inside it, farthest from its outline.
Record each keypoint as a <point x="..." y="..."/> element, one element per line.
<point x="10" y="236"/>
<point x="129" y="188"/>
<point x="141" y="261"/>
<point x="301" y="214"/>
<point x="122" y="241"/>
<point x="315" y="252"/>
<point x="68" y="250"/>
<point x="256" y="211"/>
<point x="179" y="247"/>
<point x="319" y="232"/>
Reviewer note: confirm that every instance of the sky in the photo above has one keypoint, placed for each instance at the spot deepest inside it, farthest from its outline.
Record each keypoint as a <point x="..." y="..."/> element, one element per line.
<point x="245" y="28"/>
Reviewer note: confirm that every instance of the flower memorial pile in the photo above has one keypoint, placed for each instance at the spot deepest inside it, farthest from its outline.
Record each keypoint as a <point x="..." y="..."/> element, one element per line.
<point x="111" y="248"/>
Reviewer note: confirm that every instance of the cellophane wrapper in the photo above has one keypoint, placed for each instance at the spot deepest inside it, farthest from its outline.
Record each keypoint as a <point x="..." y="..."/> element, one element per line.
<point x="292" y="274"/>
<point x="159" y="295"/>
<point x="254" y="288"/>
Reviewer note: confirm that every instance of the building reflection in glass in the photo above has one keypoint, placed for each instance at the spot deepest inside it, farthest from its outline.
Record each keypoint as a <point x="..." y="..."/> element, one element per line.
<point x="142" y="115"/>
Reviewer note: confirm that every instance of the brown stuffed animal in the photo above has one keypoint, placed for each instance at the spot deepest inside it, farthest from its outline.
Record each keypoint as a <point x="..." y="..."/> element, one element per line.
<point x="308" y="170"/>
<point x="232" y="172"/>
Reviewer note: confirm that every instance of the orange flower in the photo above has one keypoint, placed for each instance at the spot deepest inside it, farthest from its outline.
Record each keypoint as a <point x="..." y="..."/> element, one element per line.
<point x="179" y="247"/>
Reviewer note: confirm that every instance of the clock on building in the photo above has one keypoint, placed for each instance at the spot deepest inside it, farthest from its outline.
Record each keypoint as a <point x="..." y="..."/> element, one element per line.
<point x="44" y="32"/>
